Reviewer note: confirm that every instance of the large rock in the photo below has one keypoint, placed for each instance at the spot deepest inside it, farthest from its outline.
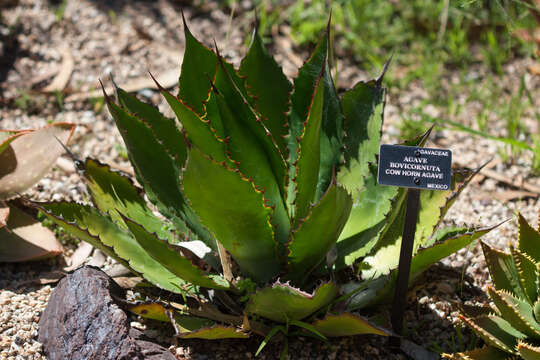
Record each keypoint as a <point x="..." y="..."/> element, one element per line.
<point x="83" y="321"/>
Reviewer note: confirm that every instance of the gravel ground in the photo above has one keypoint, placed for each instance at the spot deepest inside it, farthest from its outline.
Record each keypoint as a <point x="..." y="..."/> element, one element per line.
<point x="128" y="38"/>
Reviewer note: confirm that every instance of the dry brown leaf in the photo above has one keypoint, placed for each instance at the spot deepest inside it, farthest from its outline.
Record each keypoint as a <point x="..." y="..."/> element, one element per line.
<point x="26" y="239"/>
<point x="511" y="181"/>
<point x="45" y="76"/>
<point x="118" y="270"/>
<point x="168" y="80"/>
<point x="508" y="195"/>
<point x="66" y="165"/>
<point x="492" y="164"/>
<point x="61" y="80"/>
<point x="28" y="157"/>
<point x="4" y="213"/>
<point x="534" y="69"/>
<point x="98" y="259"/>
<point x="79" y="256"/>
<point x="514" y="182"/>
<point x="127" y="282"/>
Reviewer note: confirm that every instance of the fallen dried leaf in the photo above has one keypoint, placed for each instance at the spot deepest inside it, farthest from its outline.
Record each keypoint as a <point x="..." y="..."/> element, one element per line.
<point x="26" y="239"/>
<point x="127" y="282"/>
<point x="4" y="213"/>
<point x="513" y="195"/>
<point x="504" y="196"/>
<point x="61" y="80"/>
<point x="514" y="182"/>
<point x="79" y="256"/>
<point x="98" y="259"/>
<point x="66" y="165"/>
<point x="45" y="76"/>
<point x="534" y="69"/>
<point x="167" y="80"/>
<point x="29" y="156"/>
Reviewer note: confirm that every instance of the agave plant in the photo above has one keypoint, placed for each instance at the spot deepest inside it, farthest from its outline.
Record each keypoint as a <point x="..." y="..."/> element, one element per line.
<point x="511" y="326"/>
<point x="25" y="156"/>
<point x="268" y="188"/>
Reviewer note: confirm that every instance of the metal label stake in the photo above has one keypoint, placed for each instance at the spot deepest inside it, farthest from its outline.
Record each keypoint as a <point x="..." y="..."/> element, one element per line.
<point x="415" y="168"/>
<point x="405" y="256"/>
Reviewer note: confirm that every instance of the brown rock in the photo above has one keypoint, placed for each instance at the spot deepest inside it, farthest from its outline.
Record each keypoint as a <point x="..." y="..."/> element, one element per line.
<point x="83" y="321"/>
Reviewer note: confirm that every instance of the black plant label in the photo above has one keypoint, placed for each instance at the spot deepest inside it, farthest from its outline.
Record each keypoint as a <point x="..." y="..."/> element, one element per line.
<point x="415" y="167"/>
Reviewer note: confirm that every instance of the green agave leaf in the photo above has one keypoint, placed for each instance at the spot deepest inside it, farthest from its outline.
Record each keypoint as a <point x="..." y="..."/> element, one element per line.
<point x="305" y="85"/>
<point x="433" y="206"/>
<point x="156" y="311"/>
<point x="215" y="332"/>
<point x="485" y="353"/>
<point x="157" y="172"/>
<point x="332" y="129"/>
<point x="234" y="211"/>
<point x="164" y="254"/>
<point x="252" y="161"/>
<point x="269" y="89"/>
<point x="88" y="224"/>
<point x="366" y="220"/>
<point x="363" y="107"/>
<point x="385" y="253"/>
<point x="529" y="239"/>
<point x="472" y="311"/>
<point x="27" y="157"/>
<point x="282" y="303"/>
<point x="55" y="212"/>
<point x="199" y="131"/>
<point x="387" y="240"/>
<point x="165" y="129"/>
<point x="376" y="291"/>
<point x="227" y="83"/>
<point x="308" y="162"/>
<point x="347" y="325"/>
<point x="448" y="242"/>
<point x="187" y="324"/>
<point x="527" y="351"/>
<point x="198" y="62"/>
<point x="419" y="140"/>
<point x="517" y="312"/>
<point x="495" y="331"/>
<point x="431" y="224"/>
<point x="150" y="310"/>
<point x="538" y="279"/>
<point x="115" y="194"/>
<point x="324" y="223"/>
<point x="375" y="207"/>
<point x="503" y="271"/>
<point x="198" y="70"/>
<point x="526" y="268"/>
<point x="536" y="309"/>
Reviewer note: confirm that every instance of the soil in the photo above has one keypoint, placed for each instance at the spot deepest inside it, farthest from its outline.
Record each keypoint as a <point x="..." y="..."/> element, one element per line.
<point x="129" y="38"/>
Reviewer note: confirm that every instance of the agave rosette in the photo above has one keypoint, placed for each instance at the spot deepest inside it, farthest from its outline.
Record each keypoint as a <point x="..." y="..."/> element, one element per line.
<point x="510" y="327"/>
<point x="266" y="186"/>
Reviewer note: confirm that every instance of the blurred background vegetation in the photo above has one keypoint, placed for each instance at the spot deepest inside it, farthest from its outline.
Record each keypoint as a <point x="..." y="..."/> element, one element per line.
<point x="470" y="60"/>
<point x="432" y="40"/>
<point x="426" y="35"/>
